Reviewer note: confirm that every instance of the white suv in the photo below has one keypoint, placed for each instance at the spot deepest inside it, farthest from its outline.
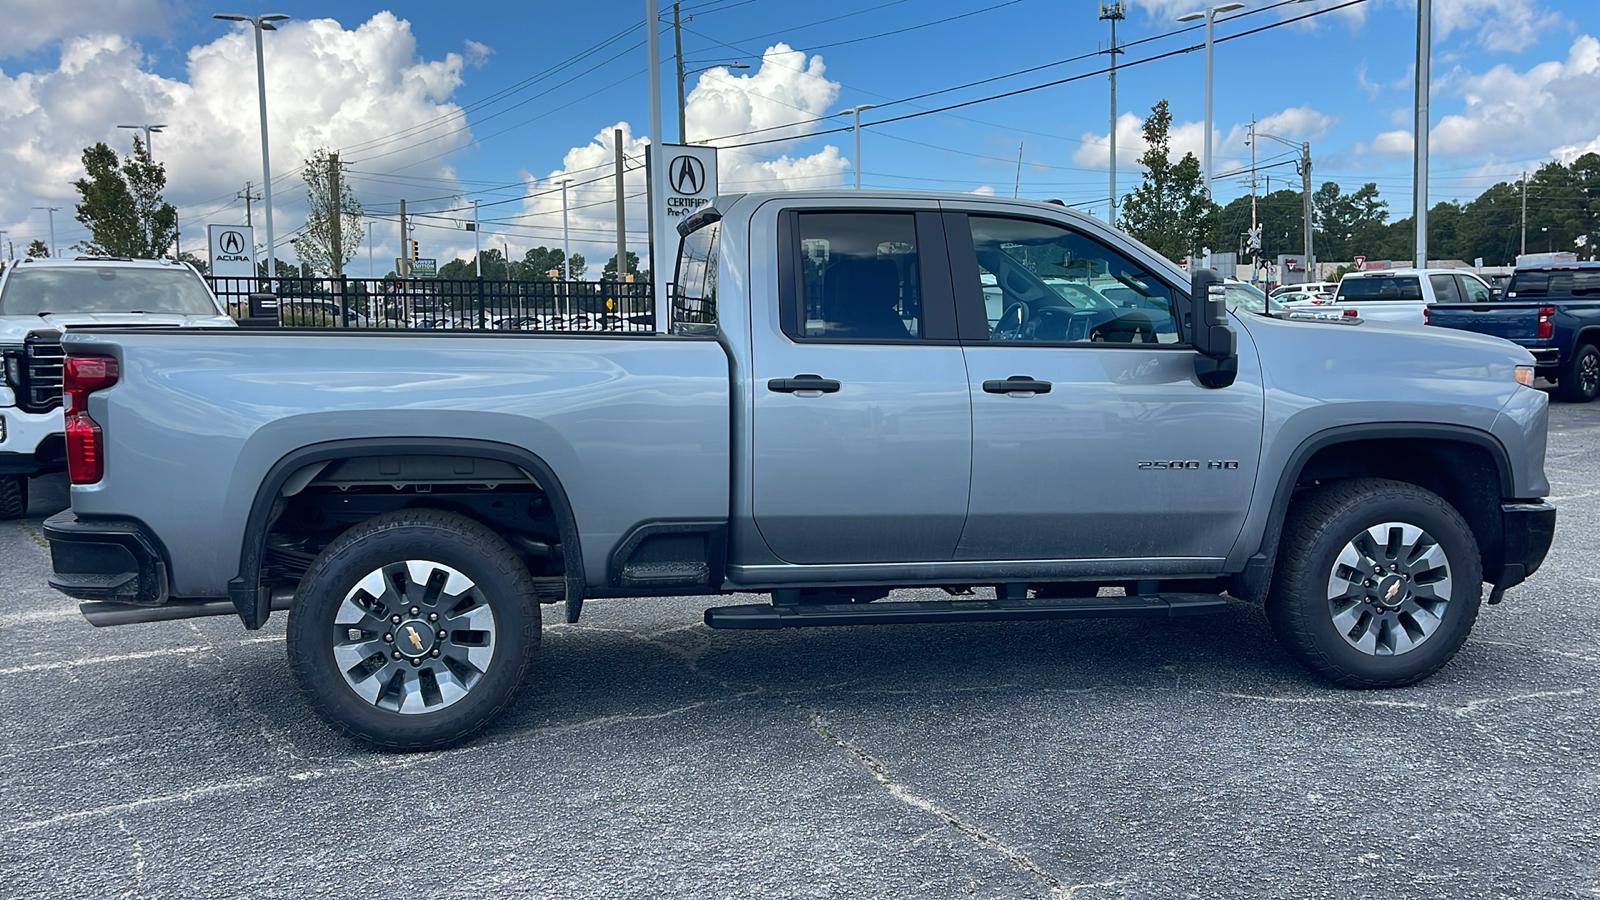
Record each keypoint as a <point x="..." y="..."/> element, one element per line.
<point x="39" y="298"/>
<point x="1400" y="295"/>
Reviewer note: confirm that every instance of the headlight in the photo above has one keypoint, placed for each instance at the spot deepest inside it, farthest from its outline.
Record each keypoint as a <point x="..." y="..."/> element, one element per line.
<point x="1525" y="376"/>
<point x="13" y="367"/>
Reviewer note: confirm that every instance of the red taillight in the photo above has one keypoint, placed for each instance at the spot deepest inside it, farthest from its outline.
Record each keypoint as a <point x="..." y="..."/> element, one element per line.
<point x="1351" y="314"/>
<point x="1546" y="330"/>
<point x="1427" y="315"/>
<point x="82" y="376"/>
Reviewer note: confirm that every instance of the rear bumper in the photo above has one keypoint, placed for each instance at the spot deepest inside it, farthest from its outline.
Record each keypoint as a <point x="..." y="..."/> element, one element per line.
<point x="31" y="443"/>
<point x="115" y="560"/>
<point x="1528" y="529"/>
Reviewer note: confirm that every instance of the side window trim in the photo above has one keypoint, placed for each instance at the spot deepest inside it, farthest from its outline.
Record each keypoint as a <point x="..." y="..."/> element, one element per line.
<point x="937" y="300"/>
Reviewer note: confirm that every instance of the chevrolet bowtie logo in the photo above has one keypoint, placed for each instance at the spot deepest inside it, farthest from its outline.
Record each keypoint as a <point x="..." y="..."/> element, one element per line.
<point x="1393" y="589"/>
<point x="417" y="642"/>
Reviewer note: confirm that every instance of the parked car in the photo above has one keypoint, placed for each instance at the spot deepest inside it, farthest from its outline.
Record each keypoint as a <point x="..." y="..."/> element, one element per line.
<point x="841" y="423"/>
<point x="1400" y="295"/>
<point x="1310" y="289"/>
<point x="39" y="298"/>
<point x="1554" y="312"/>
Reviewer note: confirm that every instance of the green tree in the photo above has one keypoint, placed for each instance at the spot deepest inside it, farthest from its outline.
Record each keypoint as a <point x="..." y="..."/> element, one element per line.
<point x="37" y="249"/>
<point x="122" y="205"/>
<point x="538" y="262"/>
<point x="609" y="271"/>
<point x="315" y="247"/>
<point x="200" y="265"/>
<point x="1169" y="210"/>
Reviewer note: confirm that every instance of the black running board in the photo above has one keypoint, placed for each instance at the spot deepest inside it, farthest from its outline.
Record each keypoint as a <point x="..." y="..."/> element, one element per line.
<point x="803" y="615"/>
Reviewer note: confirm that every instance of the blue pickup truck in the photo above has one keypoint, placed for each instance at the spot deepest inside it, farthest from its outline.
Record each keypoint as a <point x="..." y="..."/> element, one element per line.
<point x="1554" y="311"/>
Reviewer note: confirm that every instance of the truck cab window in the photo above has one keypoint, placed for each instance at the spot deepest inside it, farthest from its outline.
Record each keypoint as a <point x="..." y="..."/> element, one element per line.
<point x="859" y="276"/>
<point x="1044" y="282"/>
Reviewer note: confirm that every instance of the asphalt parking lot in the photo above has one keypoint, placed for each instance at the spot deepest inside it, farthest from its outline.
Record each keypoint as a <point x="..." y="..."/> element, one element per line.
<point x="653" y="757"/>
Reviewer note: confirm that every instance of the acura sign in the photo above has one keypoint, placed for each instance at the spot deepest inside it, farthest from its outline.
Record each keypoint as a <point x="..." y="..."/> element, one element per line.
<point x="233" y="251"/>
<point x="682" y="178"/>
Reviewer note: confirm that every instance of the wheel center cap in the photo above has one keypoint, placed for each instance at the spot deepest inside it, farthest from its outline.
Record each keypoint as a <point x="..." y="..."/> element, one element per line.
<point x="1391" y="592"/>
<point x="414" y="638"/>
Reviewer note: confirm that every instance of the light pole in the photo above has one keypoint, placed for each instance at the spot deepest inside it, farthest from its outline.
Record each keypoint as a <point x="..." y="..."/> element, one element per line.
<point x="262" y="23"/>
<point x="52" y="210"/>
<point x="371" y="272"/>
<point x="566" y="251"/>
<point x="1304" y="165"/>
<point x="683" y="128"/>
<point x="477" y="243"/>
<point x="855" y="129"/>
<point x="1210" y="15"/>
<point x="149" y="144"/>
<point x="1115" y="12"/>
<point x="1419" y="185"/>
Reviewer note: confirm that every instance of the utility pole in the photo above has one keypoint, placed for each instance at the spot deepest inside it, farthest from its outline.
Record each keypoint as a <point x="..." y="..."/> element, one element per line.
<point x="1017" y="188"/>
<point x="477" y="242"/>
<point x="654" y="163"/>
<point x="371" y="273"/>
<point x="404" y="267"/>
<point x="1420" y="186"/>
<point x="336" y="263"/>
<point x="1114" y="12"/>
<point x="1305" y="184"/>
<point x="677" y="48"/>
<point x="246" y="196"/>
<point x="622" y="210"/>
<point x="1524" y="213"/>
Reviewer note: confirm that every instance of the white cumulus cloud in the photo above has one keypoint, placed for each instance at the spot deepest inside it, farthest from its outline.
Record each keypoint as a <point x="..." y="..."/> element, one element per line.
<point x="781" y="98"/>
<point x="1510" y="114"/>
<point x="31" y="24"/>
<point x="327" y="86"/>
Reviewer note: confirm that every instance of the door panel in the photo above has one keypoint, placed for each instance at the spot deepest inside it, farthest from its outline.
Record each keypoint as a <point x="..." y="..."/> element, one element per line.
<point x="877" y="470"/>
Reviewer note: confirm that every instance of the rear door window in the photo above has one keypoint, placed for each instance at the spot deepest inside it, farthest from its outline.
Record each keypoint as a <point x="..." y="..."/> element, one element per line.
<point x="1474" y="291"/>
<point x="860" y="277"/>
<point x="1444" y="289"/>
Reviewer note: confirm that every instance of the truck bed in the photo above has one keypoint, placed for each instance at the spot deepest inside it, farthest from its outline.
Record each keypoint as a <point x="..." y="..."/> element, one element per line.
<point x="638" y="426"/>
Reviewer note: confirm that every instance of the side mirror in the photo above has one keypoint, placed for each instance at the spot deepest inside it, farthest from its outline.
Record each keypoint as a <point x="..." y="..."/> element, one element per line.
<point x="1206" y="328"/>
<point x="261" y="311"/>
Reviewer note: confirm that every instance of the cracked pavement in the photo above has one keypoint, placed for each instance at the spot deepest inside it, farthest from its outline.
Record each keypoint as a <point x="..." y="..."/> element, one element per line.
<point x="650" y="756"/>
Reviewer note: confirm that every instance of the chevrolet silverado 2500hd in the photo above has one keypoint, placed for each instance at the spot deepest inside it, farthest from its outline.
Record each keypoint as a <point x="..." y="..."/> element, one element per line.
<point x="857" y="391"/>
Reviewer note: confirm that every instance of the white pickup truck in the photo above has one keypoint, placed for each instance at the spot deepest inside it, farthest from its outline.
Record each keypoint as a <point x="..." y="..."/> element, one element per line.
<point x="39" y="298"/>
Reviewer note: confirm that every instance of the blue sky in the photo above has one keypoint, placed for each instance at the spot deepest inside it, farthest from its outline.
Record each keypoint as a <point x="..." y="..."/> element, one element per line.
<point x="446" y="103"/>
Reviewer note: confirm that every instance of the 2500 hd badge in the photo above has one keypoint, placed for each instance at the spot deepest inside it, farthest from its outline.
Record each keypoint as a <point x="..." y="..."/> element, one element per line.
<point x="1225" y="464"/>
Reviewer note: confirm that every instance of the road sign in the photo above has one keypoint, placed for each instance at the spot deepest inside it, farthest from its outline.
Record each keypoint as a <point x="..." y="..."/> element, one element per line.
<point x="424" y="267"/>
<point x="1361" y="262"/>
<point x="233" y="251"/>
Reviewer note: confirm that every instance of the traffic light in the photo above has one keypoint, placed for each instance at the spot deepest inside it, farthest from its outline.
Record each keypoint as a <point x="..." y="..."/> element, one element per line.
<point x="414" y="252"/>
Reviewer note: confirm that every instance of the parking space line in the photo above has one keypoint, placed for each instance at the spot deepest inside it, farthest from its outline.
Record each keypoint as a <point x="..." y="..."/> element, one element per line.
<point x="122" y="657"/>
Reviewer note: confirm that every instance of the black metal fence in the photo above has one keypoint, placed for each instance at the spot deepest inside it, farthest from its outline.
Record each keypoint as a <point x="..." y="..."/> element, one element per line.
<point x="434" y="303"/>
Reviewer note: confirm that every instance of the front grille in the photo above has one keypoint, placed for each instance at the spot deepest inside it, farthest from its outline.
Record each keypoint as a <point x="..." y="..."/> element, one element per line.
<point x="42" y="362"/>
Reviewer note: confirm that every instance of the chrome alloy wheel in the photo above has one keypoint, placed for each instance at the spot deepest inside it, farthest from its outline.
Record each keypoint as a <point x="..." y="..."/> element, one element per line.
<point x="413" y="637"/>
<point x="1389" y="589"/>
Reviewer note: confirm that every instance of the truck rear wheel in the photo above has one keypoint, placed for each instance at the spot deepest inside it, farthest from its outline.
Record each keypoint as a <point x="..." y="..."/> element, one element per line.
<point x="13" y="496"/>
<point x="1378" y="583"/>
<point x="1580" y="383"/>
<point x="411" y="630"/>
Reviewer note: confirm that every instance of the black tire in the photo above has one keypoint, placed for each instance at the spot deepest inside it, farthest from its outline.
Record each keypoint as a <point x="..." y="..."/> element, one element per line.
<point x="1332" y="520"/>
<point x="1580" y="381"/>
<point x="322" y="625"/>
<point x="13" y="496"/>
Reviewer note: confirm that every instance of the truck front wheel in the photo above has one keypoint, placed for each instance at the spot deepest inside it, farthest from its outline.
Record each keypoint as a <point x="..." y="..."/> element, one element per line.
<point x="411" y="630"/>
<point x="1378" y="583"/>
<point x="1580" y="383"/>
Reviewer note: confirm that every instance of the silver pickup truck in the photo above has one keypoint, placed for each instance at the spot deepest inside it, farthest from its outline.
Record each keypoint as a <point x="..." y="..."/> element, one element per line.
<point x="856" y="392"/>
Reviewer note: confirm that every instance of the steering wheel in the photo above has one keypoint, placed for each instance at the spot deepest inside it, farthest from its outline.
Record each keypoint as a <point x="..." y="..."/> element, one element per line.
<point x="1009" y="326"/>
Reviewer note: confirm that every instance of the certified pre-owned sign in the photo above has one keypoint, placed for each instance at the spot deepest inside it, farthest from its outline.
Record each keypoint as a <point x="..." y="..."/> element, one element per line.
<point x="233" y="251"/>
<point x="682" y="179"/>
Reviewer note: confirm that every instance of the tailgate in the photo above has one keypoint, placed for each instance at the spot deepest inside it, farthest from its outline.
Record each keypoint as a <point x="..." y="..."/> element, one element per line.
<point x="1512" y="321"/>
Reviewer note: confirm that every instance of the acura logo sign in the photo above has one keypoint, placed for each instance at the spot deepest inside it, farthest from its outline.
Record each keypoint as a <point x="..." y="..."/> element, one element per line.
<point x="687" y="175"/>
<point x="231" y="242"/>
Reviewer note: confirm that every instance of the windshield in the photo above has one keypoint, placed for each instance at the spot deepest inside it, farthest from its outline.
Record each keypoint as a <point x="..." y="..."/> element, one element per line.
<point x="1381" y="287"/>
<point x="1249" y="297"/>
<point x="105" y="289"/>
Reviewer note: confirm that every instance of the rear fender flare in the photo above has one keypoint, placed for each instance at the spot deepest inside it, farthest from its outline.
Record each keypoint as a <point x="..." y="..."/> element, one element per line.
<point x="253" y="602"/>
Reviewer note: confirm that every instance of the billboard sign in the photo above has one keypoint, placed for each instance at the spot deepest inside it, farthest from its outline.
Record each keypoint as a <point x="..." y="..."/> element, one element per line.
<point x="683" y="179"/>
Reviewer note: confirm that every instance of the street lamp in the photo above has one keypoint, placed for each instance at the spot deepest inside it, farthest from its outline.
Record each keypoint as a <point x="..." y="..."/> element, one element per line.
<point x="149" y="145"/>
<point x="262" y="23"/>
<point x="855" y="129"/>
<point x="1304" y="165"/>
<point x="683" y="129"/>
<point x="1210" y="15"/>
<point x="52" y="210"/>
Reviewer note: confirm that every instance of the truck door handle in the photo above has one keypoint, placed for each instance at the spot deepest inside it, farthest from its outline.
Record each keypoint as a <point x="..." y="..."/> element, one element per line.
<point x="1017" y="384"/>
<point x="801" y="383"/>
